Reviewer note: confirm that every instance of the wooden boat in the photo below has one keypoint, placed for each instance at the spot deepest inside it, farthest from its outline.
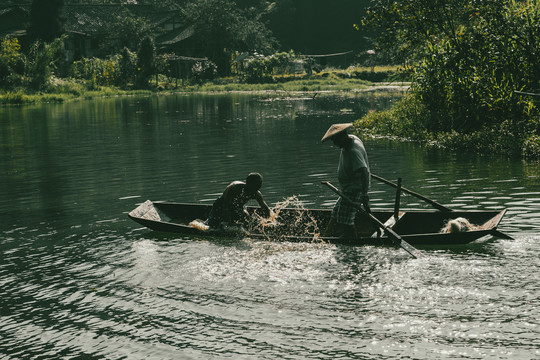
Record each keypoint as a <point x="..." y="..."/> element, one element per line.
<point x="418" y="227"/>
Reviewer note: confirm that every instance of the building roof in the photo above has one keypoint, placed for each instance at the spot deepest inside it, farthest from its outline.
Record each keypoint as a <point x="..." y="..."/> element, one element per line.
<point x="176" y="36"/>
<point x="92" y="19"/>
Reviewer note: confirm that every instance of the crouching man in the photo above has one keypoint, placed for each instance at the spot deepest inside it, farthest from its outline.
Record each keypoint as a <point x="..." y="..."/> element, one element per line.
<point x="229" y="209"/>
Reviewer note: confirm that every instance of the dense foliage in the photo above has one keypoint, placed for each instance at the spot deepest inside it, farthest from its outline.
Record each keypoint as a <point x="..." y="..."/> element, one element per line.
<point x="106" y="72"/>
<point x="33" y="69"/>
<point x="304" y="26"/>
<point x="41" y="62"/>
<point x="224" y="26"/>
<point x="127" y="31"/>
<point x="11" y="61"/>
<point x="260" y="69"/>
<point x="471" y="60"/>
<point x="221" y="28"/>
<point x="145" y="61"/>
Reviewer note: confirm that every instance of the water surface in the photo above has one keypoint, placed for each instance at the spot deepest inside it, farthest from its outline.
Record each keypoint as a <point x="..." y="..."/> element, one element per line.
<point x="77" y="277"/>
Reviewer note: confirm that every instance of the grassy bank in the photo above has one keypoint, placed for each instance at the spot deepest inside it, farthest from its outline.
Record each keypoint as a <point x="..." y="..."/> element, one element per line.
<point x="330" y="80"/>
<point x="408" y="120"/>
<point x="61" y="90"/>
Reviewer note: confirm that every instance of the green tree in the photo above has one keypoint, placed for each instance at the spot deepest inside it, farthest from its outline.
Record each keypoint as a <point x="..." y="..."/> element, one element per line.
<point x="225" y="26"/>
<point x="145" y="61"/>
<point x="468" y="58"/>
<point x="10" y="51"/>
<point x="46" y="20"/>
<point x="127" y="31"/>
<point x="11" y="61"/>
<point x="127" y="64"/>
<point x="41" y="62"/>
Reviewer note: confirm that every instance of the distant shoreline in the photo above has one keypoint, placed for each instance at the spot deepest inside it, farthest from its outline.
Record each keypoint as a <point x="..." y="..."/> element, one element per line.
<point x="21" y="97"/>
<point x="329" y="82"/>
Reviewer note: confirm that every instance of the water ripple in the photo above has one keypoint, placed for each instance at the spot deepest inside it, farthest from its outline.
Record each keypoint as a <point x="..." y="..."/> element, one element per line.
<point x="80" y="280"/>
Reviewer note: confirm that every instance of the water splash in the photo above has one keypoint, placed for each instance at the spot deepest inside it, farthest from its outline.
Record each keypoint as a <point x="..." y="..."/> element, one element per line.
<point x="288" y="220"/>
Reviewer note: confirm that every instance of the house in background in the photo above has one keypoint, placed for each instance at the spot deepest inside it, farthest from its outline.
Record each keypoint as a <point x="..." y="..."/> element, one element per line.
<point x="87" y="28"/>
<point x="14" y="21"/>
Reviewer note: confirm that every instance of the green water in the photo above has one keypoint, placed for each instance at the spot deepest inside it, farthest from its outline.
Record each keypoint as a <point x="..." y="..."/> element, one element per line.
<point x="78" y="279"/>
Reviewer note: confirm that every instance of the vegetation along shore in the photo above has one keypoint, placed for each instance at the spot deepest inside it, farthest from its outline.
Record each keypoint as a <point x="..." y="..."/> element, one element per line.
<point x="329" y="81"/>
<point x="472" y="69"/>
<point x="475" y="74"/>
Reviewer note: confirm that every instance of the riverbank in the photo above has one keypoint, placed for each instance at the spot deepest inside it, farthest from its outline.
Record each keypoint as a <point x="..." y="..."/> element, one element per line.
<point x="404" y="121"/>
<point x="407" y="120"/>
<point x="329" y="81"/>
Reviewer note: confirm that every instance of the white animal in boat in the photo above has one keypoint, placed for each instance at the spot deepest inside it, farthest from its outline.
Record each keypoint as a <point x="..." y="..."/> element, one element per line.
<point x="457" y="225"/>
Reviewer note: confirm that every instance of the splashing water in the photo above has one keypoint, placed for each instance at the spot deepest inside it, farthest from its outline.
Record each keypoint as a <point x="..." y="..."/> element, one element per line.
<point x="288" y="219"/>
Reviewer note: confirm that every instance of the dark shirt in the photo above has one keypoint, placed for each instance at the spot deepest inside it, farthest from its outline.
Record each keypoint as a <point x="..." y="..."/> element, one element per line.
<point x="229" y="207"/>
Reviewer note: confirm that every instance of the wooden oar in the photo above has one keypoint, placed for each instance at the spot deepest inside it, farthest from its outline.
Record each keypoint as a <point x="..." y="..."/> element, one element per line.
<point x="433" y="203"/>
<point x="389" y="232"/>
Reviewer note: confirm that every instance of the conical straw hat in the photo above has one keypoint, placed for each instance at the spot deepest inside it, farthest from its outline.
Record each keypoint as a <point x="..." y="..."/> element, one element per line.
<point x="335" y="129"/>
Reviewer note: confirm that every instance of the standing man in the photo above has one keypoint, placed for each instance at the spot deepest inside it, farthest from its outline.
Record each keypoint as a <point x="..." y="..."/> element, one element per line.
<point x="354" y="180"/>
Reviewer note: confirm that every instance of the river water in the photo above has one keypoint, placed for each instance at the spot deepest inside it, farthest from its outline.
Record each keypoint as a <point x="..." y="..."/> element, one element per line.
<point x="78" y="279"/>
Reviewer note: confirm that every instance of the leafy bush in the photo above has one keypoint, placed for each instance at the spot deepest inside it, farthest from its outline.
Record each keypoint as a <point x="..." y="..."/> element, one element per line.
<point x="41" y="62"/>
<point x="145" y="61"/>
<point x="257" y="69"/>
<point x="469" y="65"/>
<point x="409" y="119"/>
<point x="11" y="61"/>
<point x="203" y="71"/>
<point x="127" y="66"/>
<point x="10" y="52"/>
<point x="531" y="147"/>
<point x="13" y="98"/>
<point x="260" y="69"/>
<point x="401" y="120"/>
<point x="105" y="72"/>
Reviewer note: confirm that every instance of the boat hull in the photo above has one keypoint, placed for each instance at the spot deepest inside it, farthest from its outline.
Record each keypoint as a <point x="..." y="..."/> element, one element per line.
<point x="417" y="228"/>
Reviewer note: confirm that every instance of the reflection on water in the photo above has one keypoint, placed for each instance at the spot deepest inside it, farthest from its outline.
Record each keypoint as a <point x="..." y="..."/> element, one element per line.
<point x="77" y="278"/>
